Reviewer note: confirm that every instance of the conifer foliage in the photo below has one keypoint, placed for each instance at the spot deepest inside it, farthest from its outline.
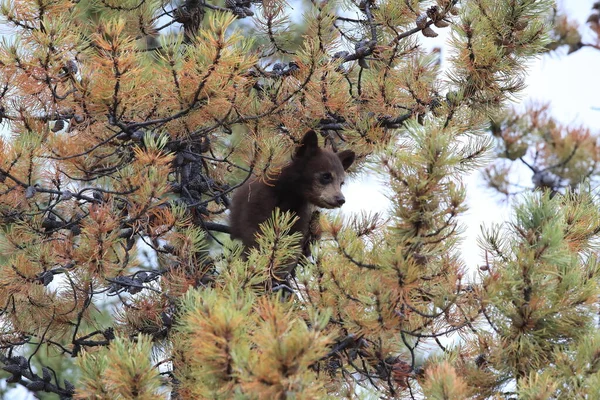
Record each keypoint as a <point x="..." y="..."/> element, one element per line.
<point x="130" y="124"/>
<point x="557" y="155"/>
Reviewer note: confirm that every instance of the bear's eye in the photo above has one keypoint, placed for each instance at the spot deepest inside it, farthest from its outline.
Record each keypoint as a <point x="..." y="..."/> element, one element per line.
<point x="326" y="178"/>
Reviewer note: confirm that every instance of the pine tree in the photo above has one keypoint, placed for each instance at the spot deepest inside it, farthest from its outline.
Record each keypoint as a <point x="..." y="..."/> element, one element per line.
<point x="559" y="156"/>
<point x="543" y="343"/>
<point x="132" y="122"/>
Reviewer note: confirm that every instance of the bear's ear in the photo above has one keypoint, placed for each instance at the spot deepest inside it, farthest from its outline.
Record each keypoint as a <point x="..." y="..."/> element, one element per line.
<point x="347" y="158"/>
<point x="308" y="145"/>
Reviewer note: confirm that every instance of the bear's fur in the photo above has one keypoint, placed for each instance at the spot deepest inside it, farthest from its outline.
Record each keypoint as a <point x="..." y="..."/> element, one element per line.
<point x="313" y="178"/>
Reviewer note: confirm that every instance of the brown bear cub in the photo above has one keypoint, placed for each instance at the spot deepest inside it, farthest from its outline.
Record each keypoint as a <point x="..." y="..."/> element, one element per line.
<point x="313" y="178"/>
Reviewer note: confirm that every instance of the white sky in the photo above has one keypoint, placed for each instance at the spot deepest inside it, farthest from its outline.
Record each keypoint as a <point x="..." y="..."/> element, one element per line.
<point x="572" y="86"/>
<point x="570" y="83"/>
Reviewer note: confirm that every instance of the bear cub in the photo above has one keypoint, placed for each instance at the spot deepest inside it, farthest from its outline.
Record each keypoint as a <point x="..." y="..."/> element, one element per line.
<point x="313" y="178"/>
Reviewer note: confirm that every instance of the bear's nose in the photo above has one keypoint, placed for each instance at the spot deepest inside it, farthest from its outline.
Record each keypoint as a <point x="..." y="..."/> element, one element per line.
<point x="340" y="200"/>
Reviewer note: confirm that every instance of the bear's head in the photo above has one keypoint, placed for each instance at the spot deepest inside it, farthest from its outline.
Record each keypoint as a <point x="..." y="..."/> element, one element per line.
<point x="323" y="172"/>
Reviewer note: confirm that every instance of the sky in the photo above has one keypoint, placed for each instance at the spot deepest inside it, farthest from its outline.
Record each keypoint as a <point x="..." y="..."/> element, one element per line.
<point x="572" y="86"/>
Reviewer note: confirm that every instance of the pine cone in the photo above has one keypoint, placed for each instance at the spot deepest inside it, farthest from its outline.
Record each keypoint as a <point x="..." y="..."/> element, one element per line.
<point x="428" y="32"/>
<point x="58" y="125"/>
